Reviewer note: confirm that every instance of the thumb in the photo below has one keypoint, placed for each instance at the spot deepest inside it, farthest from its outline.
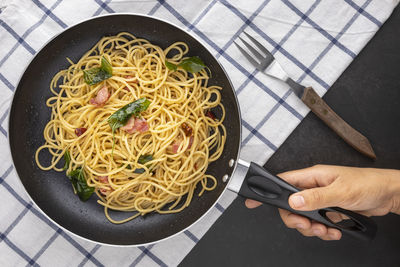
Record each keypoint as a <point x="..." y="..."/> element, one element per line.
<point x="315" y="198"/>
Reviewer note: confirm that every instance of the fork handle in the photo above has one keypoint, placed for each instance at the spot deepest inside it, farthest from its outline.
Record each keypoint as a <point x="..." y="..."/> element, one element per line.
<point x="336" y="123"/>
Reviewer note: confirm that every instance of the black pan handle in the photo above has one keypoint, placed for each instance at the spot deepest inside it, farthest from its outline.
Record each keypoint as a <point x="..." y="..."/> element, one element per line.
<point x="267" y="188"/>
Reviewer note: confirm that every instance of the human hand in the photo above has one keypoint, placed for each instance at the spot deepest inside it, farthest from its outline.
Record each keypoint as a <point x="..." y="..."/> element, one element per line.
<point x="371" y="192"/>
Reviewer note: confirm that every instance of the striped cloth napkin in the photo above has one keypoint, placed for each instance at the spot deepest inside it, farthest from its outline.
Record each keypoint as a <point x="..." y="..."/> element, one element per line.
<point x="314" y="41"/>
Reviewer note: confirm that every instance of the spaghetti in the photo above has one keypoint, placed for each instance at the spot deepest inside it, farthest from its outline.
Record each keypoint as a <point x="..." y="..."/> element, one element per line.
<point x="155" y="161"/>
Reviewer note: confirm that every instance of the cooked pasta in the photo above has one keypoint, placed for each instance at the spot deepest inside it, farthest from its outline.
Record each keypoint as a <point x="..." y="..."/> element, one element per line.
<point x="155" y="159"/>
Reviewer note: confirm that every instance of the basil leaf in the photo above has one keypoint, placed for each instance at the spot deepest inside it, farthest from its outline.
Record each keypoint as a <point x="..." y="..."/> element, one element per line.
<point x="170" y="65"/>
<point x="192" y="64"/>
<point x="67" y="159"/>
<point x="95" y="75"/>
<point x="139" y="171"/>
<point x="115" y="124"/>
<point x="127" y="166"/>
<point x="143" y="159"/>
<point x="106" y="66"/>
<point x="121" y="116"/>
<point x="78" y="181"/>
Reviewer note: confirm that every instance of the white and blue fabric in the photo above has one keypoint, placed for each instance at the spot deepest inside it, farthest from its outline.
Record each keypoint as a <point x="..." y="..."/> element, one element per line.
<point x="314" y="41"/>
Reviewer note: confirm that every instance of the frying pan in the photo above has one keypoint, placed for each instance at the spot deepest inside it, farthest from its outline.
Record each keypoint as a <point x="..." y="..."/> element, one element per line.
<point x="52" y="192"/>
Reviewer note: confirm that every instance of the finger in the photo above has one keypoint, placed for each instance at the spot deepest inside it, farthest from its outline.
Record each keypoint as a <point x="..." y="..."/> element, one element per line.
<point x="315" y="176"/>
<point x="335" y="217"/>
<point x="316" y="198"/>
<point x="306" y="232"/>
<point x="292" y="220"/>
<point x="334" y="234"/>
<point x="318" y="229"/>
<point x="251" y="204"/>
<point x="321" y="231"/>
<point x="325" y="238"/>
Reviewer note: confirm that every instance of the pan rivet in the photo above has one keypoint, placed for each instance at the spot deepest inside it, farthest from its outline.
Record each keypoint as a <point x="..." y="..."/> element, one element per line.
<point x="225" y="178"/>
<point x="231" y="162"/>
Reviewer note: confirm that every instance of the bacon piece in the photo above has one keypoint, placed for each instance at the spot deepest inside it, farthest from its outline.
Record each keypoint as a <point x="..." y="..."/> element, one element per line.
<point x="135" y="125"/>
<point x="80" y="131"/>
<point x="141" y="125"/>
<point x="130" y="77"/>
<point x="211" y="114"/>
<point x="188" y="132"/>
<point x="191" y="139"/>
<point x="101" y="98"/>
<point x="105" y="191"/>
<point x="129" y="124"/>
<point x="187" y="129"/>
<point x="175" y="145"/>
<point x="103" y="179"/>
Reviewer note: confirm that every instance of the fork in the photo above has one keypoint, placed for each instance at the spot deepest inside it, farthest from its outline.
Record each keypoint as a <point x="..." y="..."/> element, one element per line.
<point x="265" y="62"/>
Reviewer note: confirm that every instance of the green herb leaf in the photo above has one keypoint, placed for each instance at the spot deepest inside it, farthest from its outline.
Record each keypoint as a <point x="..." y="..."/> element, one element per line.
<point x="127" y="166"/>
<point x="106" y="66"/>
<point x="121" y="116"/>
<point x="143" y="159"/>
<point x="192" y="64"/>
<point x="79" y="182"/>
<point x="95" y="75"/>
<point x="139" y="171"/>
<point x="170" y="65"/>
<point x="67" y="159"/>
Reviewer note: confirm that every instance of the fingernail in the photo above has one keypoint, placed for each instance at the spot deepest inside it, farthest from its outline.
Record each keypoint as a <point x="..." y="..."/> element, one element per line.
<point x="299" y="226"/>
<point x="297" y="201"/>
<point x="317" y="232"/>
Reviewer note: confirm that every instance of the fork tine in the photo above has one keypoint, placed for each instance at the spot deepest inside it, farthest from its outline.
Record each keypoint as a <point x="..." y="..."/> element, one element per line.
<point x="247" y="55"/>
<point x="252" y="49"/>
<point x="257" y="43"/>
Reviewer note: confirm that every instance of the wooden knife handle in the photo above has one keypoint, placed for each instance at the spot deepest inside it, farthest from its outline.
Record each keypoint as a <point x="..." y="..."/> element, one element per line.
<point x="336" y="123"/>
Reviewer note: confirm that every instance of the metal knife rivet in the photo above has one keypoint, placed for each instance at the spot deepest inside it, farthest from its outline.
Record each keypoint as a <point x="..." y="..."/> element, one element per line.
<point x="225" y="178"/>
<point x="325" y="112"/>
<point x="313" y="101"/>
<point x="231" y="162"/>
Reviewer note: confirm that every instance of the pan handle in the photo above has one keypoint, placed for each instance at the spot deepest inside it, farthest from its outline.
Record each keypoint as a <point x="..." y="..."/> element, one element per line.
<point x="267" y="188"/>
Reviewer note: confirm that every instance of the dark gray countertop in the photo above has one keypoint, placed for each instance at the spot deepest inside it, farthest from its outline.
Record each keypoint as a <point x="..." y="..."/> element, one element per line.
<point x="367" y="95"/>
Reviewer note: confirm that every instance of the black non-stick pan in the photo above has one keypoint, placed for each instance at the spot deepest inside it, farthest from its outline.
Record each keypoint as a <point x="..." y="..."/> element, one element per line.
<point x="52" y="192"/>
